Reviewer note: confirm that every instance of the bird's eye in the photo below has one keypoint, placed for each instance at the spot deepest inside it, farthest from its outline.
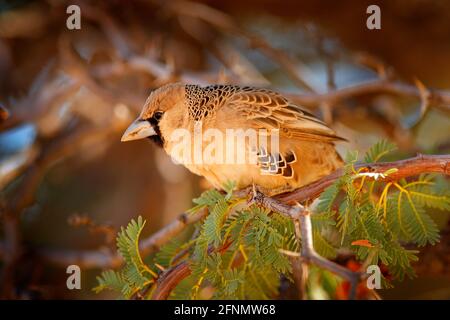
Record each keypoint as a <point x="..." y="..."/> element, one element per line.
<point x="157" y="115"/>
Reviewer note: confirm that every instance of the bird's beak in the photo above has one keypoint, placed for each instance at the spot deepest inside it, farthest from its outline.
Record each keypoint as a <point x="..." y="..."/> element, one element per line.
<point x="139" y="129"/>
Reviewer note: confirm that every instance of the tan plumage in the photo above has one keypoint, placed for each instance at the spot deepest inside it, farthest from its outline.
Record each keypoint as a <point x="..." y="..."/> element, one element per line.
<point x="306" y="143"/>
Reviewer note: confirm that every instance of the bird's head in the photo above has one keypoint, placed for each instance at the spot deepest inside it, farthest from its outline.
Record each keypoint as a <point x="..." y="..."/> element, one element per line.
<point x="162" y="112"/>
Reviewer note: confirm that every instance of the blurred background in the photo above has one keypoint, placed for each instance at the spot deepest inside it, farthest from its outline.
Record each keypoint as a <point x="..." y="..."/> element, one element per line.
<point x="67" y="183"/>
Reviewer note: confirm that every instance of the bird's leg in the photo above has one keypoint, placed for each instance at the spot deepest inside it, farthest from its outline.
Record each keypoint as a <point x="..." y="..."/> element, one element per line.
<point x="255" y="196"/>
<point x="254" y="188"/>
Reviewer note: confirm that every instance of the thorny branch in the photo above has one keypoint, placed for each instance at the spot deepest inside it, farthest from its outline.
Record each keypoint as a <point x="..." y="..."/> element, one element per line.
<point x="300" y="214"/>
<point x="302" y="218"/>
<point x="225" y="23"/>
<point x="406" y="168"/>
<point x="438" y="98"/>
<point x="303" y="231"/>
<point x="106" y="259"/>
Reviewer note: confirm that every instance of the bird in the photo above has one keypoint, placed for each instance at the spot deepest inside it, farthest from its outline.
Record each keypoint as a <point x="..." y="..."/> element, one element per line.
<point x="306" y="146"/>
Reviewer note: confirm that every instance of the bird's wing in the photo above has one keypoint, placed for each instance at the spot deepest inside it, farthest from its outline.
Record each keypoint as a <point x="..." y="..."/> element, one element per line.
<point x="266" y="109"/>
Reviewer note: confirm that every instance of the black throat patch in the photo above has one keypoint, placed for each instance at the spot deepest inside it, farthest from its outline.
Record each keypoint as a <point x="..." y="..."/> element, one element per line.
<point x="157" y="138"/>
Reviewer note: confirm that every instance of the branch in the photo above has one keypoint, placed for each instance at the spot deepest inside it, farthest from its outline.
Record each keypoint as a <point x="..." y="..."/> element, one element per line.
<point x="96" y="258"/>
<point x="303" y="228"/>
<point x="406" y="168"/>
<point x="170" y="279"/>
<point x="303" y="231"/>
<point x="62" y="147"/>
<point x="300" y="215"/>
<point x="4" y="113"/>
<point x="106" y="259"/>
<point x="225" y="23"/>
<point x="438" y="98"/>
<point x="167" y="233"/>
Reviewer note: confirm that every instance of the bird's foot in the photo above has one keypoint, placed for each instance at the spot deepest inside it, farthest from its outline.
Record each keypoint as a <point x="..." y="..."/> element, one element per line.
<point x="256" y="196"/>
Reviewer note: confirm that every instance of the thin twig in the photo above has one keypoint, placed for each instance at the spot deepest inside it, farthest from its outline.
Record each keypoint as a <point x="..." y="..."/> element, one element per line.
<point x="104" y="258"/>
<point x="225" y="23"/>
<point x="302" y="220"/>
<point x="167" y="233"/>
<point x="406" y="168"/>
<point x="437" y="98"/>
<point x="303" y="230"/>
<point x="4" y="113"/>
<point x="308" y="253"/>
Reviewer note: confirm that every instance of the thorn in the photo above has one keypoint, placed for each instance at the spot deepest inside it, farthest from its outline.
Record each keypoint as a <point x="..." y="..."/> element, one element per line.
<point x="160" y="267"/>
<point x="424" y="97"/>
<point x="4" y="113"/>
<point x="289" y="253"/>
<point x="299" y="210"/>
<point x="253" y="195"/>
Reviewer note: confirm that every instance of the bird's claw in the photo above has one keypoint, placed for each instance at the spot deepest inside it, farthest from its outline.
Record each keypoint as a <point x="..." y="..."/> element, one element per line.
<point x="256" y="196"/>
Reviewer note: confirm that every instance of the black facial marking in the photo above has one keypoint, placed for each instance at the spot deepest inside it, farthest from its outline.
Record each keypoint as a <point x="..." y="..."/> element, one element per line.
<point x="157" y="138"/>
<point x="158" y="115"/>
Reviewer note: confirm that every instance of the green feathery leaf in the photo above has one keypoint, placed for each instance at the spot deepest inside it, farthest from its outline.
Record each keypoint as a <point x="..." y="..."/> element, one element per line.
<point x="378" y="151"/>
